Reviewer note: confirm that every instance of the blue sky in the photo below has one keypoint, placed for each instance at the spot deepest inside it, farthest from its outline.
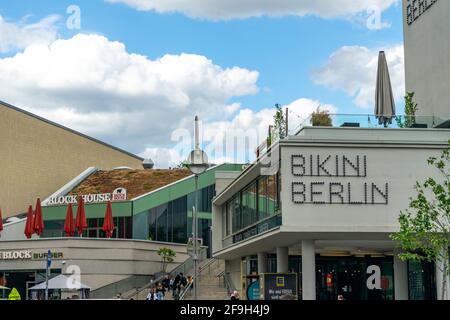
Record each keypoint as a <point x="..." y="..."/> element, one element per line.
<point x="287" y="52"/>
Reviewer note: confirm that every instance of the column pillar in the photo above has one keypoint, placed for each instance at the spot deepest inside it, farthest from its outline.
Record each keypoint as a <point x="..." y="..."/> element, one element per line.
<point x="282" y="259"/>
<point x="400" y="277"/>
<point x="439" y="284"/>
<point x="262" y="262"/>
<point x="308" y="270"/>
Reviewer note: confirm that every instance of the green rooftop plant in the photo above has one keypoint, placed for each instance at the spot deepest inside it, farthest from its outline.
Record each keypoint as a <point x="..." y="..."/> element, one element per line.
<point x="321" y="118"/>
<point x="410" y="112"/>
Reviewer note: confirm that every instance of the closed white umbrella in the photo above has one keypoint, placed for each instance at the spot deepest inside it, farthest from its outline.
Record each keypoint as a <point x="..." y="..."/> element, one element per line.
<point x="384" y="98"/>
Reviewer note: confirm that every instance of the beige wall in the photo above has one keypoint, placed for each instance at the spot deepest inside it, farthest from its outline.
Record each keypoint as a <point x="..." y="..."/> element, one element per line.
<point x="37" y="158"/>
<point x="101" y="261"/>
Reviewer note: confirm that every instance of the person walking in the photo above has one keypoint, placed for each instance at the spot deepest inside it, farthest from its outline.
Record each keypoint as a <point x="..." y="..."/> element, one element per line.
<point x="176" y="284"/>
<point x="160" y="291"/>
<point x="152" y="295"/>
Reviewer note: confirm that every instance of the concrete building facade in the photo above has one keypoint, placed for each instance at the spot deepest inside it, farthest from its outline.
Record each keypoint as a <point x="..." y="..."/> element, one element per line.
<point x="427" y="62"/>
<point x="322" y="204"/>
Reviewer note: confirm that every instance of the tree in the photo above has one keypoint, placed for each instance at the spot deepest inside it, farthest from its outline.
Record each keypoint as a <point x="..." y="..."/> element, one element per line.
<point x="321" y="118"/>
<point x="410" y="112"/>
<point x="425" y="226"/>
<point x="167" y="255"/>
<point x="279" y="124"/>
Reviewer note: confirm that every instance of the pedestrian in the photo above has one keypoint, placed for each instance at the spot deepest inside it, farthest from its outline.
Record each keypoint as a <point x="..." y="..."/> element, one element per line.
<point x="152" y="294"/>
<point x="160" y="291"/>
<point x="176" y="283"/>
<point x="183" y="280"/>
<point x="166" y="283"/>
<point x="235" y="295"/>
<point x="171" y="283"/>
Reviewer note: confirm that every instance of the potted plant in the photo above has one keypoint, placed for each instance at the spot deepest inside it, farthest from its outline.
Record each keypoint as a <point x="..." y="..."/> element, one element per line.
<point x="321" y="118"/>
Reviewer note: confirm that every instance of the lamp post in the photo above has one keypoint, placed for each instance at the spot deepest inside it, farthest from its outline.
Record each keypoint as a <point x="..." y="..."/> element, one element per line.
<point x="197" y="162"/>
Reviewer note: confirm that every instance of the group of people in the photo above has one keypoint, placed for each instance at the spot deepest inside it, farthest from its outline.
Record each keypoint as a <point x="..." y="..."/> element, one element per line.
<point x="174" y="284"/>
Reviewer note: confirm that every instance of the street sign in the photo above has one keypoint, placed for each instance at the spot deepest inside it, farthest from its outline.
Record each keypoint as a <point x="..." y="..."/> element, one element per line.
<point x="49" y="258"/>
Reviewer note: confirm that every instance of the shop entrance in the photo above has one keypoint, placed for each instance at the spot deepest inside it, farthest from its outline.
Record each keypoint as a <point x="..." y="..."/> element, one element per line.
<point x="353" y="278"/>
<point x="20" y="279"/>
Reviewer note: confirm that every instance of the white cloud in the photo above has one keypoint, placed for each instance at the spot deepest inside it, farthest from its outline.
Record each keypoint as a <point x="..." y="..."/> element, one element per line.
<point x="19" y="36"/>
<point x="353" y="69"/>
<point x="240" y="9"/>
<point x="235" y="139"/>
<point x="94" y="85"/>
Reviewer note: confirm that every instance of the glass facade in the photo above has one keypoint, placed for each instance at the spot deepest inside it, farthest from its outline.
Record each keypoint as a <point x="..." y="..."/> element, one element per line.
<point x="421" y="280"/>
<point x="172" y="221"/>
<point x="346" y="276"/>
<point x="122" y="230"/>
<point x="252" y="210"/>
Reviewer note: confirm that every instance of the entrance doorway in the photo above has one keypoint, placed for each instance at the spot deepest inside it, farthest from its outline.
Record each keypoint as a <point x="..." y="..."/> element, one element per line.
<point x="348" y="277"/>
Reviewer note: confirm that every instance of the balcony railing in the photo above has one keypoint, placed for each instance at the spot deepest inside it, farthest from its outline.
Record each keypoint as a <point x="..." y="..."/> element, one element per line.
<point x="371" y="121"/>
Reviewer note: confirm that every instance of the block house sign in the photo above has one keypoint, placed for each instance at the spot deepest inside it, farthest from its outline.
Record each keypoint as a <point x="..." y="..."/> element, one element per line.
<point x="119" y="194"/>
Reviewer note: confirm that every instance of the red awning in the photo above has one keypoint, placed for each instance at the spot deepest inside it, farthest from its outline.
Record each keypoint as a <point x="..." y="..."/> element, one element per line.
<point x="1" y="221"/>
<point x="29" y="223"/>
<point x="80" y="223"/>
<point x="69" y="225"/>
<point x="38" y="224"/>
<point x="108" y="223"/>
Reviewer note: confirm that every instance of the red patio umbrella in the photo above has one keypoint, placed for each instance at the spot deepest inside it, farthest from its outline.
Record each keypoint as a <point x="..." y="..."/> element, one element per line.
<point x="80" y="220"/>
<point x="38" y="224"/>
<point x="29" y="223"/>
<point x="1" y="221"/>
<point x="108" y="223"/>
<point x="69" y="225"/>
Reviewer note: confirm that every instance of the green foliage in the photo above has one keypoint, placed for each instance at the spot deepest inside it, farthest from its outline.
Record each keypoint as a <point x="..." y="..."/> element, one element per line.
<point x="425" y="225"/>
<point x="410" y="112"/>
<point x="167" y="255"/>
<point x="182" y="165"/>
<point x="279" y="127"/>
<point x="321" y="118"/>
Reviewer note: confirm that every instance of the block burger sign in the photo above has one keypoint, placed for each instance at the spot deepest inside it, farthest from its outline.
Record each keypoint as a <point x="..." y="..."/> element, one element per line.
<point x="119" y="194"/>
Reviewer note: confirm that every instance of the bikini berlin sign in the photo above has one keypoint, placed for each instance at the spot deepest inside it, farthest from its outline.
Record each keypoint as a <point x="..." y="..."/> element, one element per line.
<point x="119" y="194"/>
<point x="335" y="179"/>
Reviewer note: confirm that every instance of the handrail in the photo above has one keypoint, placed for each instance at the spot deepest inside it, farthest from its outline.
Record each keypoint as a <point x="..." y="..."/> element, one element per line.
<point x="181" y="268"/>
<point x="185" y="291"/>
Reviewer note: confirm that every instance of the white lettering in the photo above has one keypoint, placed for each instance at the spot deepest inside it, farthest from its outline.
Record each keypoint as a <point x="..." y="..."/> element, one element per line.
<point x="374" y="280"/>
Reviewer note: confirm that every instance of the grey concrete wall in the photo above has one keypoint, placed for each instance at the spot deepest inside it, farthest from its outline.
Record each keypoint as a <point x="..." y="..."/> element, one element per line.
<point x="101" y="261"/>
<point x="233" y="267"/>
<point x="427" y="52"/>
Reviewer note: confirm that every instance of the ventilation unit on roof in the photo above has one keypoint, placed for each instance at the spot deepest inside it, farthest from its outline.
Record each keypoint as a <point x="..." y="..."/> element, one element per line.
<point x="148" y="164"/>
<point x="122" y="168"/>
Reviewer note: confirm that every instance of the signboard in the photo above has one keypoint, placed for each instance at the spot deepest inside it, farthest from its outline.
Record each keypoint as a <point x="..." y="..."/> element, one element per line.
<point x="415" y="8"/>
<point x="28" y="255"/>
<point x="335" y="180"/>
<point x="253" y="291"/>
<point x="119" y="194"/>
<point x="278" y="286"/>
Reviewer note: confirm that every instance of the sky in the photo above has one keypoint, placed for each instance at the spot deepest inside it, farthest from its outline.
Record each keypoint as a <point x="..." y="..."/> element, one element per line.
<point x="134" y="73"/>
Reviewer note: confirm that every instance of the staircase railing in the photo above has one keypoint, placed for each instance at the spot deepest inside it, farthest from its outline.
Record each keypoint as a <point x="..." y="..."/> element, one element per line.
<point x="227" y="282"/>
<point x="208" y="265"/>
<point x="184" y="268"/>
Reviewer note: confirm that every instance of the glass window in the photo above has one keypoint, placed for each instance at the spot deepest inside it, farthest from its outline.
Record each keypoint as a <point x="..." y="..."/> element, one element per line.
<point x="179" y="217"/>
<point x="262" y="198"/>
<point x="272" y="195"/>
<point x="249" y="205"/>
